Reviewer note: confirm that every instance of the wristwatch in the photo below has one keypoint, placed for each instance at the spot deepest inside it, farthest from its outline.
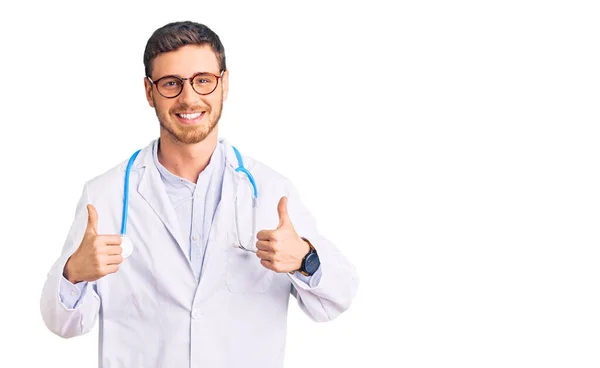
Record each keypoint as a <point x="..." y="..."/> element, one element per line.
<point x="310" y="262"/>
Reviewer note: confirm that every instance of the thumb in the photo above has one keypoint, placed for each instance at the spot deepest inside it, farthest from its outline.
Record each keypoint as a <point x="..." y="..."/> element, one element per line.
<point x="284" y="218"/>
<point x="92" y="224"/>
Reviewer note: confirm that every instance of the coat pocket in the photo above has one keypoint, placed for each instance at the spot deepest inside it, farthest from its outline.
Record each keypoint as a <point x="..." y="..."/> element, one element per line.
<point x="245" y="274"/>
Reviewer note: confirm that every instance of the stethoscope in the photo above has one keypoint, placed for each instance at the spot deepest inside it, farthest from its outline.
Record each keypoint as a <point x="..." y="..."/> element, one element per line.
<point x="127" y="245"/>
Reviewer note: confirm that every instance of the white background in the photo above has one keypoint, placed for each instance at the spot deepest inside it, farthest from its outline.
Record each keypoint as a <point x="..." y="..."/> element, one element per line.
<point x="450" y="149"/>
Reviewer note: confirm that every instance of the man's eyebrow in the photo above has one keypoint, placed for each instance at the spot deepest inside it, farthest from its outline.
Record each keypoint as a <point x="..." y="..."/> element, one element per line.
<point x="196" y="73"/>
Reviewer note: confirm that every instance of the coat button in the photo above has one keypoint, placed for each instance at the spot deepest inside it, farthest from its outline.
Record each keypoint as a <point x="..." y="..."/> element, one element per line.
<point x="195" y="314"/>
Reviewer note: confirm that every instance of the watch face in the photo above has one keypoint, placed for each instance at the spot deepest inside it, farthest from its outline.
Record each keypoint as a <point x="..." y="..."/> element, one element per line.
<point x="312" y="263"/>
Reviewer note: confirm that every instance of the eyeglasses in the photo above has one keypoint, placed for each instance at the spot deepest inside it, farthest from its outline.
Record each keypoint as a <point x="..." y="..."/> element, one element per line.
<point x="170" y="86"/>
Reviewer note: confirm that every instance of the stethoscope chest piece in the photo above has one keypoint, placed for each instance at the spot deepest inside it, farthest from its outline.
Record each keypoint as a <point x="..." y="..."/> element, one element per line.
<point x="127" y="246"/>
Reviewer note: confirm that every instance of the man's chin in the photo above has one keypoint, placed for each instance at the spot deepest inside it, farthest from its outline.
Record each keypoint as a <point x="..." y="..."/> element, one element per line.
<point x="193" y="136"/>
<point x="191" y="139"/>
<point x="187" y="134"/>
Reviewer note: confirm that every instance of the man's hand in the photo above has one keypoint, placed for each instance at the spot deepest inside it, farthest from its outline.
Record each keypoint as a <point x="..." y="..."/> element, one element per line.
<point x="97" y="255"/>
<point x="282" y="249"/>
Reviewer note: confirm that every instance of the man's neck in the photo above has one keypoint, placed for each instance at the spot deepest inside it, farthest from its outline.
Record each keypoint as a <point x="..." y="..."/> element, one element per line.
<point x="186" y="160"/>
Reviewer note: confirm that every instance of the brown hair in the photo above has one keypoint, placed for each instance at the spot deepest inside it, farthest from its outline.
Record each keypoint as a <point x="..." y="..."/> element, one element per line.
<point x="175" y="35"/>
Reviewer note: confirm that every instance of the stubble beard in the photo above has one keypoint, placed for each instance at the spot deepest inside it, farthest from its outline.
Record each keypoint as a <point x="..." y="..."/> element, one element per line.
<point x="189" y="134"/>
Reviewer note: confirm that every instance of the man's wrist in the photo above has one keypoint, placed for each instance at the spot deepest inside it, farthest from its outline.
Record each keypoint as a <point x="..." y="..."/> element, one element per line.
<point x="68" y="273"/>
<point x="305" y="244"/>
<point x="310" y="250"/>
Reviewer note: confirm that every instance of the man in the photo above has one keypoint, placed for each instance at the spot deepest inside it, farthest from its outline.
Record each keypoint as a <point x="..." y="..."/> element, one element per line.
<point x="191" y="294"/>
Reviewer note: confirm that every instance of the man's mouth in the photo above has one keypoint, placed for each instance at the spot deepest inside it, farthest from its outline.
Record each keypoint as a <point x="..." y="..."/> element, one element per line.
<point x="190" y="117"/>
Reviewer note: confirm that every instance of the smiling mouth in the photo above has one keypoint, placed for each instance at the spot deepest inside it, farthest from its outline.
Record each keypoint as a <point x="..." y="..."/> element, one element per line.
<point x="190" y="118"/>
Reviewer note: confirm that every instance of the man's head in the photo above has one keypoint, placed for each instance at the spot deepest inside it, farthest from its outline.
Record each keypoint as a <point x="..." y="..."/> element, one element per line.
<point x="181" y="51"/>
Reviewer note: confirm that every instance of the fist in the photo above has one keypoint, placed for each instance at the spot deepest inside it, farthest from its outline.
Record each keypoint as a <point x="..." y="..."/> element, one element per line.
<point x="96" y="256"/>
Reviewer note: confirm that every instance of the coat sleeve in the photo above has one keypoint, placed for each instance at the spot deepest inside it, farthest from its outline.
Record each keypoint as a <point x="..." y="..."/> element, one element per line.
<point x="58" y="317"/>
<point x="333" y="291"/>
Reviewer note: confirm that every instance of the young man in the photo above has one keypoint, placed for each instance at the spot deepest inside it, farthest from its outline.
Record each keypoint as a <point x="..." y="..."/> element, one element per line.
<point x="171" y="250"/>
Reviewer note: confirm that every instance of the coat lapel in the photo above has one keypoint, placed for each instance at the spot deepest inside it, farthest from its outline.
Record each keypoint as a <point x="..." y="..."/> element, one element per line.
<point x="223" y="221"/>
<point x="222" y="236"/>
<point x="152" y="190"/>
<point x="237" y="187"/>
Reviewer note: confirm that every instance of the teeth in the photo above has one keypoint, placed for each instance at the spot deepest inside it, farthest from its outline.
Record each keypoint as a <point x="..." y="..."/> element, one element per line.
<point x="190" y="116"/>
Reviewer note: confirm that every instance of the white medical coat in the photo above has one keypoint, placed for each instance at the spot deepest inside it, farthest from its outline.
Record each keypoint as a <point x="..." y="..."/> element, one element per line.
<point x="154" y="313"/>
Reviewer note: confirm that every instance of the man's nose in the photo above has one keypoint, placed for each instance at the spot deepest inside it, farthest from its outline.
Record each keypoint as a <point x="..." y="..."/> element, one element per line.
<point x="188" y="95"/>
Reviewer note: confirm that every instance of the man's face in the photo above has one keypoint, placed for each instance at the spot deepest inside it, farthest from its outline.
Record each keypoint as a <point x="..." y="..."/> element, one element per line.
<point x="178" y="116"/>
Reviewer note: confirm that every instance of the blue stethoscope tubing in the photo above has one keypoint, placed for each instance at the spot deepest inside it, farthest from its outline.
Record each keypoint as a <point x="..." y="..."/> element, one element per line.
<point x="126" y="194"/>
<point x="254" y="205"/>
<point x="126" y="243"/>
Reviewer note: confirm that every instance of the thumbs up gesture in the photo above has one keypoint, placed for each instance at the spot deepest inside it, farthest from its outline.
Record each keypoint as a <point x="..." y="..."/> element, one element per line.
<point x="96" y="256"/>
<point x="282" y="249"/>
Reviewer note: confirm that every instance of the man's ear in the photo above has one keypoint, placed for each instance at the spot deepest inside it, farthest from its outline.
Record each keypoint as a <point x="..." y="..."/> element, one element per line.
<point x="148" y="88"/>
<point x="225" y="84"/>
